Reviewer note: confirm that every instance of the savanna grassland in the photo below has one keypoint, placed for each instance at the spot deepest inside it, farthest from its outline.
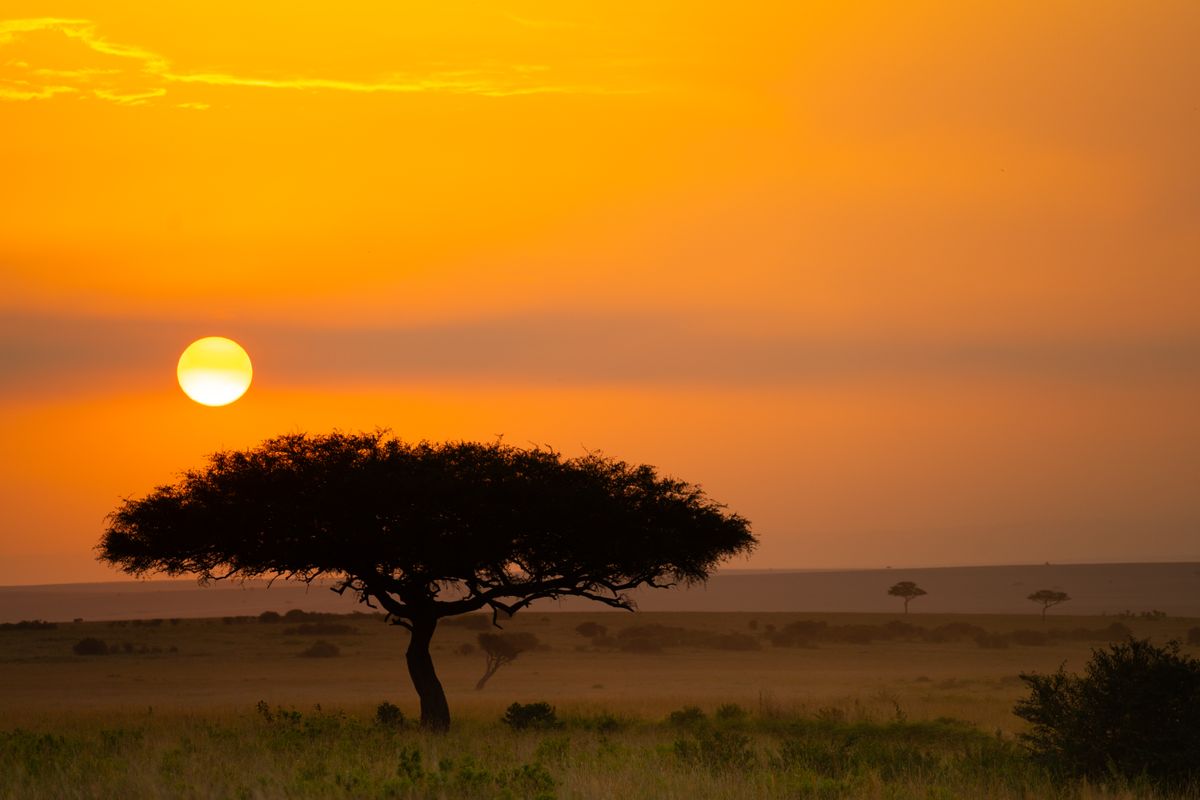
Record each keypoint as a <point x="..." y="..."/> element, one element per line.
<point x="660" y="705"/>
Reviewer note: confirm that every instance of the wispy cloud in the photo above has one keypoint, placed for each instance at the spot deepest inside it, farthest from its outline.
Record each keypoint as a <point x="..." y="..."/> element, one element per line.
<point x="133" y="75"/>
<point x="548" y="349"/>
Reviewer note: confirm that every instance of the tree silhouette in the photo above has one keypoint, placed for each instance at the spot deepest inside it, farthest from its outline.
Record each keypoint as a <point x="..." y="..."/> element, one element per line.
<point x="427" y="530"/>
<point x="501" y="649"/>
<point x="908" y="590"/>
<point x="1048" y="597"/>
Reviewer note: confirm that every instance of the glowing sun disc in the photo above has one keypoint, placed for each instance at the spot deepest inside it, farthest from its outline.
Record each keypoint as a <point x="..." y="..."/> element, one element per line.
<point x="214" y="371"/>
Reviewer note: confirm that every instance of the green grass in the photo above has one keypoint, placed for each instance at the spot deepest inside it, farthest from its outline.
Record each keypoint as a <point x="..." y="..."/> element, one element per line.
<point x="285" y="753"/>
<point x="176" y="716"/>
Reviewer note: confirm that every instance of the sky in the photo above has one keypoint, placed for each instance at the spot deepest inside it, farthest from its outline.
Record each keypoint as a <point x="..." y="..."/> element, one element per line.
<point x="902" y="283"/>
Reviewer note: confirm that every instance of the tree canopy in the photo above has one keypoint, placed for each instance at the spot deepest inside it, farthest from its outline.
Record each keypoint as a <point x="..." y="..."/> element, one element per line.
<point x="1048" y="597"/>
<point x="428" y="530"/>
<point x="907" y="590"/>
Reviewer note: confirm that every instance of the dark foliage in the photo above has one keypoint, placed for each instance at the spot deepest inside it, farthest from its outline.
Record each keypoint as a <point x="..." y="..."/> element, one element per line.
<point x="908" y="591"/>
<point x="321" y="629"/>
<point x="807" y="633"/>
<point x="270" y="617"/>
<point x="28" y="625"/>
<point x="590" y="630"/>
<point x="321" y="649"/>
<point x="1048" y="598"/>
<point x="687" y="717"/>
<point x="389" y="715"/>
<point x="526" y="716"/>
<point x="1134" y="713"/>
<point x="90" y="647"/>
<point x="472" y="622"/>
<point x="428" y="530"/>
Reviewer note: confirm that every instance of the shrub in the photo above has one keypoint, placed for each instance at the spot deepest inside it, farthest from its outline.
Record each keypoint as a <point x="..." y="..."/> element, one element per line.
<point x="321" y="629"/>
<point x="590" y="630"/>
<point x="736" y="641"/>
<point x="389" y="715"/>
<point x="90" y="647"/>
<point x="730" y="712"/>
<point x="1029" y="638"/>
<point x="321" y="649"/>
<point x="465" y="649"/>
<point x="1134" y="712"/>
<point x="270" y="617"/>
<point x="539" y="716"/>
<point x="717" y="750"/>
<point x="992" y="641"/>
<point x="31" y="625"/>
<point x="641" y="646"/>
<point x="472" y="622"/>
<point x="687" y="717"/>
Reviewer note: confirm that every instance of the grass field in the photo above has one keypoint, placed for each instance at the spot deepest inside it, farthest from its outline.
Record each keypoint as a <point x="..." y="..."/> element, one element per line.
<point x="209" y="708"/>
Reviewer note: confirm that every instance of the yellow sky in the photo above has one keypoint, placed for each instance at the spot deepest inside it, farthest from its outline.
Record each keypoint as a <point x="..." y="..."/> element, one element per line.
<point x="903" y="283"/>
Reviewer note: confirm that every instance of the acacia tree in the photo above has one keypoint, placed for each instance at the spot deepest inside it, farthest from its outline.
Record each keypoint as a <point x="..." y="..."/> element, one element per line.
<point x="1048" y="597"/>
<point x="908" y="590"/>
<point x="429" y="530"/>
<point x="500" y="649"/>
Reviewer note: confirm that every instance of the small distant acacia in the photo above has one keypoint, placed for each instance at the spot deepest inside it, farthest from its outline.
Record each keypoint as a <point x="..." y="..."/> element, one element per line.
<point x="907" y="590"/>
<point x="428" y="530"/>
<point x="501" y="649"/>
<point x="1048" y="598"/>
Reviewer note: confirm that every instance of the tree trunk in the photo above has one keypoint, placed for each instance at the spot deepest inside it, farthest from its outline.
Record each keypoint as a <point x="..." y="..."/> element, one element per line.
<point x="906" y="605"/>
<point x="487" y="674"/>
<point x="435" y="711"/>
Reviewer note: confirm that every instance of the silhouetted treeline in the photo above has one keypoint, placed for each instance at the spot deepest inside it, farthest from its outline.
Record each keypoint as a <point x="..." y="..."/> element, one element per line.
<point x="807" y="633"/>
<point x="28" y="625"/>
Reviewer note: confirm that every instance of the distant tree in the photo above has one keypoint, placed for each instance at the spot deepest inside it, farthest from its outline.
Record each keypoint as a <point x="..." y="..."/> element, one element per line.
<point x="590" y="630"/>
<point x="1134" y="714"/>
<point x="907" y="590"/>
<point x="428" y="530"/>
<point x="1048" y="597"/>
<point x="501" y="649"/>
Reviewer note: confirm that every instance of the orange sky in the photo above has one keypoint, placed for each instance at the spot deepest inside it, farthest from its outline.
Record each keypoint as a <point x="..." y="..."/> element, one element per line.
<point x="903" y="283"/>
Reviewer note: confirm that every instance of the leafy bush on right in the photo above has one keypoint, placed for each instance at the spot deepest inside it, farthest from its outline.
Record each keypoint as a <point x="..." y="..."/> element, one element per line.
<point x="1133" y="714"/>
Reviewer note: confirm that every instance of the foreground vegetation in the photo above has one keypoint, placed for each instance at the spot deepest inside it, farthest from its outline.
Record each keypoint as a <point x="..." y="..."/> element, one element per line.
<point x="726" y="752"/>
<point x="648" y="706"/>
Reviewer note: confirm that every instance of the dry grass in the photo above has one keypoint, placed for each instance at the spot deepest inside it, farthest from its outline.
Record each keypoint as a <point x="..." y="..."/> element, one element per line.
<point x="168" y="724"/>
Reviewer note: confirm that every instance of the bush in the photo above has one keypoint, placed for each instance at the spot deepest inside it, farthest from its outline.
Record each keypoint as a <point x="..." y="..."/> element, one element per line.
<point x="736" y="641"/>
<point x="31" y="625"/>
<point x="590" y="630"/>
<point x="1134" y="713"/>
<point x="268" y="617"/>
<point x="686" y="717"/>
<point x="539" y="716"/>
<point x="389" y="715"/>
<point x="472" y="622"/>
<point x="640" y="646"/>
<point x="717" y="750"/>
<point x="321" y="629"/>
<point x="1028" y="638"/>
<point x="90" y="647"/>
<point x="321" y="649"/>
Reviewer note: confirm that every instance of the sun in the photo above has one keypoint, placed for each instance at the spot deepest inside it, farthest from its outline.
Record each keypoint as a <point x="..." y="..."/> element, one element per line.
<point x="214" y="371"/>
